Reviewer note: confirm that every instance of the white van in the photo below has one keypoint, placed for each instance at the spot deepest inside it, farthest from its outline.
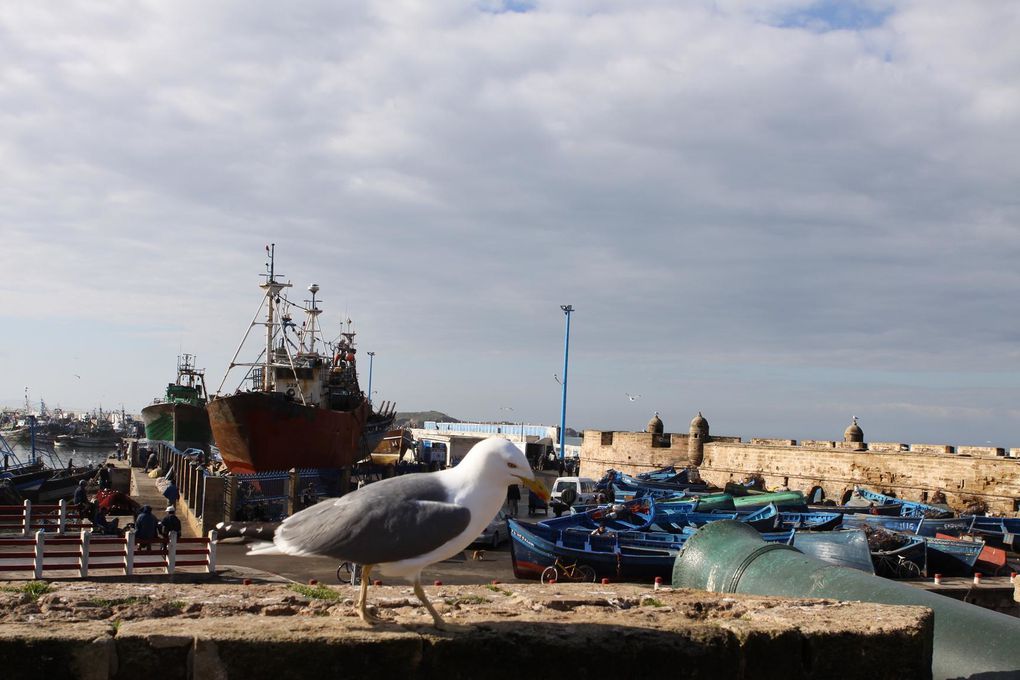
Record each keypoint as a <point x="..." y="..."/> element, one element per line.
<point x="584" y="487"/>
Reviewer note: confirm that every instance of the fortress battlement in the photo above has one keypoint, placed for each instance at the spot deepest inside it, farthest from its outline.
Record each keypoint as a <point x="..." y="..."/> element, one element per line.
<point x="968" y="475"/>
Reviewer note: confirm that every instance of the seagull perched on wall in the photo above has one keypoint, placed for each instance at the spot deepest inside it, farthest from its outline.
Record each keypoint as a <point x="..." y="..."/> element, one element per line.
<point x="403" y="524"/>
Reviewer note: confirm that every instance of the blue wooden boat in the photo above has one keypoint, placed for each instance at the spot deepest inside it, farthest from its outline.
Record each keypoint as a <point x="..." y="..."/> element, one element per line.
<point x="952" y="557"/>
<point x="810" y="521"/>
<point x="844" y="548"/>
<point x="635" y="556"/>
<point x="894" y="509"/>
<point x="905" y="561"/>
<point x="633" y="515"/>
<point x="999" y="531"/>
<point x="922" y="526"/>
<point x="908" y="508"/>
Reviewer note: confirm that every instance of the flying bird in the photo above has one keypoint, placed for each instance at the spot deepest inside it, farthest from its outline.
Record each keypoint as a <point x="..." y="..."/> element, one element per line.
<point x="632" y="397"/>
<point x="401" y="525"/>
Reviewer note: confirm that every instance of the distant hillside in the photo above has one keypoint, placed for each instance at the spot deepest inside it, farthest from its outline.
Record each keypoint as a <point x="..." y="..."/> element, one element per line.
<point x="418" y="418"/>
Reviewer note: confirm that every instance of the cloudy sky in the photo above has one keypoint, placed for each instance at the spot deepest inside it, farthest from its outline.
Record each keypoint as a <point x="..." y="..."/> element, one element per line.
<point x="781" y="214"/>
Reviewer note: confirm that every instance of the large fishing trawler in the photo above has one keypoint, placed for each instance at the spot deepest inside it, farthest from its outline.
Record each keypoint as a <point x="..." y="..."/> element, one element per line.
<point x="303" y="407"/>
<point x="180" y="416"/>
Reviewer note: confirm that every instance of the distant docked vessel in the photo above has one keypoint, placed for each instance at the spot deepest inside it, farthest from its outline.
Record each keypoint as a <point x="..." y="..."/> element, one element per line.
<point x="303" y="407"/>
<point x="181" y="415"/>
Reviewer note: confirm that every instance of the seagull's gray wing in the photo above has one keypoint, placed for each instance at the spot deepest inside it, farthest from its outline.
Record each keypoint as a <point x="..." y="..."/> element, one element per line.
<point x="391" y="520"/>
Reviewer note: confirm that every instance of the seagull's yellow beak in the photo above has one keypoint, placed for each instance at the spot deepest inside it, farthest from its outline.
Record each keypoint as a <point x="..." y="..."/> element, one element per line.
<point x="536" y="487"/>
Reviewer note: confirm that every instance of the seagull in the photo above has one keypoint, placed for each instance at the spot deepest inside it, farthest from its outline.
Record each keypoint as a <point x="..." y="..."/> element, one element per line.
<point x="632" y="397"/>
<point x="403" y="524"/>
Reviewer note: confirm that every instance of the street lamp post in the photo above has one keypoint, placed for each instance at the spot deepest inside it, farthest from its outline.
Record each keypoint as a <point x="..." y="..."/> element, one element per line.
<point x="567" y="309"/>
<point x="371" y="360"/>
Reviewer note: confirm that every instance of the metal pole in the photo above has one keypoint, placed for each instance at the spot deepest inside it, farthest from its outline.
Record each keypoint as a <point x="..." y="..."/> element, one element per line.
<point x="31" y="425"/>
<point x="371" y="360"/>
<point x="567" y="309"/>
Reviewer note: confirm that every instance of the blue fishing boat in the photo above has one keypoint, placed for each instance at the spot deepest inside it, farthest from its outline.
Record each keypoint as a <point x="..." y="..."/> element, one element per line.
<point x="908" y="508"/>
<point x="634" y="556"/>
<point x="844" y="548"/>
<point x="894" y="509"/>
<point x="952" y="557"/>
<point x="633" y="515"/>
<point x="907" y="560"/>
<point x="1000" y="531"/>
<point x="810" y="521"/>
<point x="922" y="526"/>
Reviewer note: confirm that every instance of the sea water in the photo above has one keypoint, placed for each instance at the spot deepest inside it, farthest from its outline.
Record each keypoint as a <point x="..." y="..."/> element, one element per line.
<point x="60" y="456"/>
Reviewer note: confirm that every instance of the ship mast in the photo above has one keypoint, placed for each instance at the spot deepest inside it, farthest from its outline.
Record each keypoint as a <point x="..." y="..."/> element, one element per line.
<point x="272" y="298"/>
<point x="311" y="329"/>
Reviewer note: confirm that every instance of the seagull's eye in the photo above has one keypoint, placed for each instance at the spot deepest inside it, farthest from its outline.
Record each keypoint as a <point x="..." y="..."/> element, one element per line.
<point x="512" y="465"/>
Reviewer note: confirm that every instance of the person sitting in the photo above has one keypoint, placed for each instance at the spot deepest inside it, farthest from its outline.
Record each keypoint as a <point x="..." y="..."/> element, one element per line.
<point x="103" y="524"/>
<point x="146" y="528"/>
<point x="170" y="524"/>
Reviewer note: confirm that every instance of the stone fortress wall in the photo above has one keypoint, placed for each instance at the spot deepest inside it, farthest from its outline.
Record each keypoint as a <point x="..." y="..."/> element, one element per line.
<point x="965" y="474"/>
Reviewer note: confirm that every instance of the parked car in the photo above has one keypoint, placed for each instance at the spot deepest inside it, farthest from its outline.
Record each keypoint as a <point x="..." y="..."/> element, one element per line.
<point x="584" y="489"/>
<point x="495" y="533"/>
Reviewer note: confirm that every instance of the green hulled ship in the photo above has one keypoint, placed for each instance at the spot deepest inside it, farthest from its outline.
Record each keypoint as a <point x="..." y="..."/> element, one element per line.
<point x="180" y="417"/>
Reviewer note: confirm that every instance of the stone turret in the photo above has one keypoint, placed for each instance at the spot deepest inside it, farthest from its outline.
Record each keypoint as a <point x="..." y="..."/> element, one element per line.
<point x="655" y="424"/>
<point x="696" y="442"/>
<point x="854" y="435"/>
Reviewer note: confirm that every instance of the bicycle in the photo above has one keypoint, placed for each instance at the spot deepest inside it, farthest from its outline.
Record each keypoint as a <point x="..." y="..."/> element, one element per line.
<point x="349" y="572"/>
<point x="569" y="572"/>
<point x="896" y="566"/>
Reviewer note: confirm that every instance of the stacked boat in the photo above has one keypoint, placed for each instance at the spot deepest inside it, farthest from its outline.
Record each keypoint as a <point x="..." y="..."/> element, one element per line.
<point x="640" y="537"/>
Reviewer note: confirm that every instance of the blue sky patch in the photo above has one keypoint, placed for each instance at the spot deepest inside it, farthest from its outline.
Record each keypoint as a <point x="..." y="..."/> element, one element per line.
<point x="507" y="6"/>
<point x="833" y="15"/>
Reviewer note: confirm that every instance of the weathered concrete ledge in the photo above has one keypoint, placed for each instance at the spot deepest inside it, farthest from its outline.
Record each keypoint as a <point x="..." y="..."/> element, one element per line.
<point x="102" y="630"/>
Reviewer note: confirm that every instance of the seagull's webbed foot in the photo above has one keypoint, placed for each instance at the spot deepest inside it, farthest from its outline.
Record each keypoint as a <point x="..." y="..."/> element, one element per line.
<point x="362" y="605"/>
<point x="437" y="620"/>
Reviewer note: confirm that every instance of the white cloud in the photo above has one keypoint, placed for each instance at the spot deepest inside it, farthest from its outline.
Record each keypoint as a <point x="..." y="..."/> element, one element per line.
<point x="729" y="183"/>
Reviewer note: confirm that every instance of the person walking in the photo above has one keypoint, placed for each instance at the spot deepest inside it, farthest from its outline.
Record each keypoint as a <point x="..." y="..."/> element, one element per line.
<point x="513" y="499"/>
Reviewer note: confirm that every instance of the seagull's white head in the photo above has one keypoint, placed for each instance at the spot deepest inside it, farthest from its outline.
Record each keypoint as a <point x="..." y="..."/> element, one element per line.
<point x="498" y="462"/>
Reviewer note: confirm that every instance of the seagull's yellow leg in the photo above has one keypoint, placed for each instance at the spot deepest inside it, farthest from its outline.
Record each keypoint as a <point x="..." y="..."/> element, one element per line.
<point x="436" y="618"/>
<point x="366" y="576"/>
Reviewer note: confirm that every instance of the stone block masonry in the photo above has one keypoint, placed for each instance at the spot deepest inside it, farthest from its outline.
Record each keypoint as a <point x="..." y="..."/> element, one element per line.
<point x="110" y="630"/>
<point x="965" y="474"/>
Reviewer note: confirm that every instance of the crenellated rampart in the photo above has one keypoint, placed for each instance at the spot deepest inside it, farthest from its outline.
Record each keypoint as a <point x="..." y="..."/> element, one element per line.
<point x="824" y="468"/>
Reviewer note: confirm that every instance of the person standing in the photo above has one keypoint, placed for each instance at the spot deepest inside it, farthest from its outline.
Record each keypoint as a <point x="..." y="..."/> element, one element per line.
<point x="80" y="498"/>
<point x="172" y="494"/>
<point x="104" y="477"/>
<point x="513" y="499"/>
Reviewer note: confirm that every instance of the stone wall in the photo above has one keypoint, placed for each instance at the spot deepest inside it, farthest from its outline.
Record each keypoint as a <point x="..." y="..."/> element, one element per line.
<point x="106" y="630"/>
<point x="630" y="452"/>
<point x="911" y="471"/>
<point x="994" y="480"/>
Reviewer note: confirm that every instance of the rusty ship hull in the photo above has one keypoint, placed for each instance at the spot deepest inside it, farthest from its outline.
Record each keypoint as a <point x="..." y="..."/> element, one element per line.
<point x="265" y="431"/>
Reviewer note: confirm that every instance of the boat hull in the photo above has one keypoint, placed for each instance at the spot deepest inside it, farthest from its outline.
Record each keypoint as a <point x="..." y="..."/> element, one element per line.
<point x="260" y="432"/>
<point x="177" y="423"/>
